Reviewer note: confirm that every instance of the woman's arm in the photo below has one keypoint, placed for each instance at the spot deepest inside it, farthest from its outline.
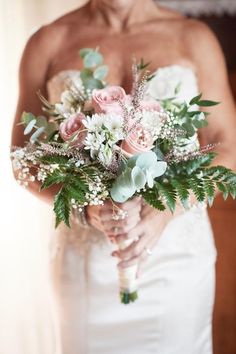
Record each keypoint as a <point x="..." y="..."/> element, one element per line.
<point x="207" y="56"/>
<point x="205" y="52"/>
<point x="32" y="77"/>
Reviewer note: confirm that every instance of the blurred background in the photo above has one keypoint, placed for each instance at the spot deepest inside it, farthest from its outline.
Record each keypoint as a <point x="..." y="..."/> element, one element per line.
<point x="27" y="317"/>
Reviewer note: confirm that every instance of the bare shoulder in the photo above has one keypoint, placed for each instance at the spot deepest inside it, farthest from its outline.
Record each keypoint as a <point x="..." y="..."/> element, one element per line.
<point x="49" y="37"/>
<point x="203" y="47"/>
<point x="197" y="35"/>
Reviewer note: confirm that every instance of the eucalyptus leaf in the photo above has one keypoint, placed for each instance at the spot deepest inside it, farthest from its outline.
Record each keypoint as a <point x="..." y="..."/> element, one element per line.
<point x="92" y="59"/>
<point x="42" y="122"/>
<point x="84" y="51"/>
<point x="26" y="117"/>
<point x="86" y="74"/>
<point x="36" y="135"/>
<point x="51" y="128"/>
<point x="101" y="72"/>
<point x="146" y="160"/>
<point x="30" y="126"/>
<point x="138" y="177"/>
<point x="91" y="84"/>
<point x="200" y="123"/>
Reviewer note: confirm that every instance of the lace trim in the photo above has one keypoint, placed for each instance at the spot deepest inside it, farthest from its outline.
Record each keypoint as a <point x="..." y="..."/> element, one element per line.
<point x="202" y="7"/>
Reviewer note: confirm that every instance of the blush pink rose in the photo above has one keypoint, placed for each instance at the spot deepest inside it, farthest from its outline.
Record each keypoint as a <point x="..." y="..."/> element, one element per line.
<point x="71" y="126"/>
<point x="138" y="141"/>
<point x="150" y="106"/>
<point x="106" y="100"/>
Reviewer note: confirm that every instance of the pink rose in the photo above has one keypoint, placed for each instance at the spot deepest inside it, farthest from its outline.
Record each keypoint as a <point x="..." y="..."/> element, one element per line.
<point x="106" y="100"/>
<point x="140" y="140"/>
<point x="150" y="106"/>
<point x="71" y="126"/>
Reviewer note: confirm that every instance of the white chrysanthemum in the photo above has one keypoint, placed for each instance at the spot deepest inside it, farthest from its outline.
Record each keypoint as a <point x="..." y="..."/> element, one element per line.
<point x="105" y="154"/>
<point x="114" y="124"/>
<point x="93" y="143"/>
<point x="94" y="123"/>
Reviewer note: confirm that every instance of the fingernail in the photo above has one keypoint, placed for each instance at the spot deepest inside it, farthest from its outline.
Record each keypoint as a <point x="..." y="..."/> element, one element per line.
<point x="114" y="254"/>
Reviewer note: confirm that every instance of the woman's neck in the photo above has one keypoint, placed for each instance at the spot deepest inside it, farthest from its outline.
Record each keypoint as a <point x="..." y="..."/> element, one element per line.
<point x="122" y="14"/>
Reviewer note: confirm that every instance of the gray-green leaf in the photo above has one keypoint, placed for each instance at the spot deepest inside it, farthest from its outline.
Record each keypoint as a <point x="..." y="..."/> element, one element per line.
<point x="93" y="59"/>
<point x="30" y="126"/>
<point x="101" y="72"/>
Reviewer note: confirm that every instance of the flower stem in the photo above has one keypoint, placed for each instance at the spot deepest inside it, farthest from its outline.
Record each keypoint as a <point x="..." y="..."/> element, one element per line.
<point x="126" y="297"/>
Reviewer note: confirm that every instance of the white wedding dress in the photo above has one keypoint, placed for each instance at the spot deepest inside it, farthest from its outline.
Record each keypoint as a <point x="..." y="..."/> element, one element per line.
<point x="173" y="314"/>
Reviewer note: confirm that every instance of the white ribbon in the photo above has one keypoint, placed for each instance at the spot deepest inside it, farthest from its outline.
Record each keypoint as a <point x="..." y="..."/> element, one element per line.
<point x="127" y="276"/>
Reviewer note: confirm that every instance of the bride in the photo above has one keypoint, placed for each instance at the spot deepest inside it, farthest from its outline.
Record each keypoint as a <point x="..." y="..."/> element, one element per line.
<point x="175" y="253"/>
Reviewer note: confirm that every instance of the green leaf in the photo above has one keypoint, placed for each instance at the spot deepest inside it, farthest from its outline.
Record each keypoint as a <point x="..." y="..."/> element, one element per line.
<point x="177" y="88"/>
<point x="168" y="193"/>
<point x="42" y="122"/>
<point x="30" y="126"/>
<point x="232" y="190"/>
<point x="62" y="208"/>
<point x="201" y="123"/>
<point x="101" y="72"/>
<point x="138" y="177"/>
<point x="188" y="126"/>
<point x="86" y="74"/>
<point x="92" y="59"/>
<point x="84" y="51"/>
<point x="26" y="117"/>
<point x="54" y="159"/>
<point x="36" y="135"/>
<point x="195" y="99"/>
<point x="196" y="184"/>
<point x="142" y="65"/>
<point x="181" y="189"/>
<point x="222" y="188"/>
<point x="209" y="189"/>
<point x="207" y="103"/>
<point x="91" y="84"/>
<point x="152" y="198"/>
<point x="55" y="178"/>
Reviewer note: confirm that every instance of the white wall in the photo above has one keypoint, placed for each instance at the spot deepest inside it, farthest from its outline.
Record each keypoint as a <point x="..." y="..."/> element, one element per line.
<point x="25" y="308"/>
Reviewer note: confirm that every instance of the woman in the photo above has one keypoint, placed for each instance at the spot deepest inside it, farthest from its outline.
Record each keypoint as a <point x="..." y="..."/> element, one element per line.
<point x="174" y="311"/>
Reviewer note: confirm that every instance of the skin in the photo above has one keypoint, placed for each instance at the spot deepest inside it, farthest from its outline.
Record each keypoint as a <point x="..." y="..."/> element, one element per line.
<point x="122" y="29"/>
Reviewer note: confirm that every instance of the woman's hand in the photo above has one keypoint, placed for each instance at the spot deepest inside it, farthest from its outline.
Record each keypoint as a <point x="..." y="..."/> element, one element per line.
<point x="102" y="217"/>
<point x="148" y="231"/>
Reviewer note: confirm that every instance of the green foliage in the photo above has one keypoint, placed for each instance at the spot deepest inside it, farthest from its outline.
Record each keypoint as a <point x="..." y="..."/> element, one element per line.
<point x="55" y="177"/>
<point x="168" y="194"/>
<point x="74" y="187"/>
<point x="101" y="72"/>
<point x="94" y="72"/>
<point x="198" y="178"/>
<point x="37" y="126"/>
<point x="142" y="65"/>
<point x="152" y="198"/>
<point x="62" y="207"/>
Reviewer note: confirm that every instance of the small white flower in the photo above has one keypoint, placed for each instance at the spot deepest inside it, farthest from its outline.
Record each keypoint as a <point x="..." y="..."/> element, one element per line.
<point x="93" y="141"/>
<point x="151" y="120"/>
<point x="105" y="155"/>
<point x="94" y="123"/>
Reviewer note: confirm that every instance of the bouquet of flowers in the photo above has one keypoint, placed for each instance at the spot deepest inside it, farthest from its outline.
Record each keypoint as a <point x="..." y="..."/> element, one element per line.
<point x="99" y="143"/>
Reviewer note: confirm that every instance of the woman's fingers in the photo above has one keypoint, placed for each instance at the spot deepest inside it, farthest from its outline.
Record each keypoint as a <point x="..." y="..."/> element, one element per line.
<point x="134" y="250"/>
<point x="121" y="226"/>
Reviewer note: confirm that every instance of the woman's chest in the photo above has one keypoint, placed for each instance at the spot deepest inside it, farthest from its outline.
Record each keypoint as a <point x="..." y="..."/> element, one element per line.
<point x="158" y="49"/>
